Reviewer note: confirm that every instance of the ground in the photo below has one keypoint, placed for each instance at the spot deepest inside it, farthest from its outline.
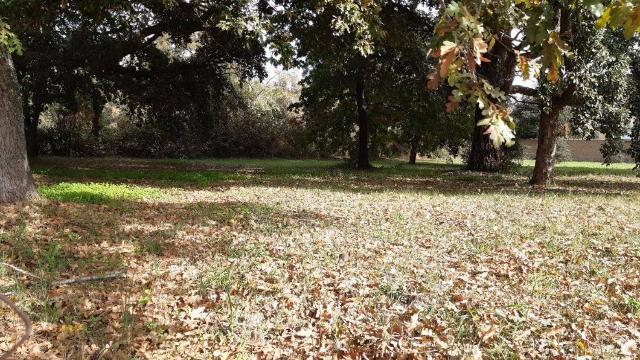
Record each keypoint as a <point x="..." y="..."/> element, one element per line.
<point x="307" y="259"/>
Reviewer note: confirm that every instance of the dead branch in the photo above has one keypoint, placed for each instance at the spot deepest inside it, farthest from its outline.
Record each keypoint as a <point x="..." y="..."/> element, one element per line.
<point x="25" y="272"/>
<point x="109" y="276"/>
<point x="27" y="327"/>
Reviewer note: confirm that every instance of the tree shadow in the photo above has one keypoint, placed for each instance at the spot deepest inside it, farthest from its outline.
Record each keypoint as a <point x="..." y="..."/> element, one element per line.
<point x="448" y="179"/>
<point x="81" y="320"/>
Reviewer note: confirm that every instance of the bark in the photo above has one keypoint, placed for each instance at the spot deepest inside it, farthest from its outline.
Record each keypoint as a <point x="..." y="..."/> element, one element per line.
<point x="31" y="123"/>
<point x="413" y="154"/>
<point x="547" y="133"/>
<point x="499" y="72"/>
<point x="483" y="155"/>
<point x="547" y="136"/>
<point x="16" y="183"/>
<point x="363" y="128"/>
<point x="97" y="105"/>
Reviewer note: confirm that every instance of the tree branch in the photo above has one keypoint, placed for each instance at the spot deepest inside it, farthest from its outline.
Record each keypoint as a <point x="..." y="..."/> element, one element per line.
<point x="27" y="327"/>
<point x="524" y="90"/>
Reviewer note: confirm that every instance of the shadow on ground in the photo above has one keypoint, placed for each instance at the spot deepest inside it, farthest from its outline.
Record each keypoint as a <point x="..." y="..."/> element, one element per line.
<point x="333" y="175"/>
<point x="58" y="240"/>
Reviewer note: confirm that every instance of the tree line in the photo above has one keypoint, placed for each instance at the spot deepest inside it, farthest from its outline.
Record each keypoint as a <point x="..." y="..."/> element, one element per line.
<point x="376" y="74"/>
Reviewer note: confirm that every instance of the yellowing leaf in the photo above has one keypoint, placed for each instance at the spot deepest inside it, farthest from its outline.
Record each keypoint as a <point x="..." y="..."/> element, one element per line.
<point x="523" y="64"/>
<point x="480" y="48"/>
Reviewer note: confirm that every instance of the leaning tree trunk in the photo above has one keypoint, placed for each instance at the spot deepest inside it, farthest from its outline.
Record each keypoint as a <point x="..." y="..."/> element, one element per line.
<point x="363" y="128"/>
<point x="16" y="183"/>
<point x="547" y="139"/>
<point x="500" y="72"/>
<point x="547" y="133"/>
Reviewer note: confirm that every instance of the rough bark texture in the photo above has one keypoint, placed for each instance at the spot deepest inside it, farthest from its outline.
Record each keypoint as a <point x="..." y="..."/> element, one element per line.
<point x="16" y="183"/>
<point x="547" y="133"/>
<point x="363" y="128"/>
<point x="499" y="72"/>
<point x="413" y="155"/>
<point x="547" y="137"/>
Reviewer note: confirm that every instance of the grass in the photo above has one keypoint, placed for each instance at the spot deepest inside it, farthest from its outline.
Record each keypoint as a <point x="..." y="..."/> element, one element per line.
<point x="308" y="258"/>
<point x="97" y="193"/>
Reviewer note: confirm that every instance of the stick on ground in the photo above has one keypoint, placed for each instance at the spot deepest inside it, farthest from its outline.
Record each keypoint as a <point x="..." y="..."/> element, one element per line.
<point x="108" y="276"/>
<point x="27" y="327"/>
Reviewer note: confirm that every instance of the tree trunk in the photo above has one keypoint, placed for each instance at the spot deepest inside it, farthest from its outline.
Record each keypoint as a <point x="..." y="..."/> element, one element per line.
<point x="363" y="128"/>
<point x="97" y="105"/>
<point x="32" y="120"/>
<point x="500" y="72"/>
<point x="546" y="152"/>
<point x="413" y="154"/>
<point x="547" y="133"/>
<point x="483" y="155"/>
<point x="16" y="183"/>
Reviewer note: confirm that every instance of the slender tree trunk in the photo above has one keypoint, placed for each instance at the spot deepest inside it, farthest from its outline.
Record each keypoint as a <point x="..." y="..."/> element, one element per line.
<point x="32" y="120"/>
<point x="97" y="105"/>
<point x="546" y="152"/>
<point x="500" y="72"/>
<point x="413" y="154"/>
<point x="363" y="128"/>
<point x="16" y="183"/>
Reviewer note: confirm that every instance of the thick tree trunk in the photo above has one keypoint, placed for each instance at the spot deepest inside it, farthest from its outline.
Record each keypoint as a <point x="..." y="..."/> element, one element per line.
<point x="500" y="72"/>
<point x="16" y="183"/>
<point x="546" y="153"/>
<point x="363" y="128"/>
<point x="483" y="155"/>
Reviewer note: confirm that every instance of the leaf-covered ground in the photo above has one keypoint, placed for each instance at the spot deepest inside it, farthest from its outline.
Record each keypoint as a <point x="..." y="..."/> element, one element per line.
<point x="306" y="259"/>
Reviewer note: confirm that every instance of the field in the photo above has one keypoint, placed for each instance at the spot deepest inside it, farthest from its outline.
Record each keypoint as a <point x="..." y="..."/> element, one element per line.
<point x="238" y="259"/>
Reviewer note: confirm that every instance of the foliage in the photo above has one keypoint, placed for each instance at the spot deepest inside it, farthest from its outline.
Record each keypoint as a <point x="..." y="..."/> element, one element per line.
<point x="8" y="40"/>
<point x="563" y="151"/>
<point x="634" y="105"/>
<point x="257" y="122"/>
<point x="526" y="113"/>
<point x="465" y="35"/>
<point x="379" y="47"/>
<point x="635" y="144"/>
<point x="165" y="61"/>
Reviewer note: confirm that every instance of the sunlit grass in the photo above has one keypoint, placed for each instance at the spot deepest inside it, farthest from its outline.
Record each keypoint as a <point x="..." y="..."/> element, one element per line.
<point x="97" y="193"/>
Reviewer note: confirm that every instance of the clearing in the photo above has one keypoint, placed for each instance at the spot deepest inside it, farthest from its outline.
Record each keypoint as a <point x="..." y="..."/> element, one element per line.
<point x="291" y="259"/>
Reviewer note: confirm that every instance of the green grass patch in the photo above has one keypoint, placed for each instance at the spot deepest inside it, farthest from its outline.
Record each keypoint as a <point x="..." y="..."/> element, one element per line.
<point x="170" y="176"/>
<point x="97" y="193"/>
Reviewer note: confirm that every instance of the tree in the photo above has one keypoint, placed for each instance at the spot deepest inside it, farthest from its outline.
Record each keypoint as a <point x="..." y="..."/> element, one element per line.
<point x="169" y="61"/>
<point x="547" y="26"/>
<point x="634" y="107"/>
<point x="16" y="183"/>
<point x="365" y="65"/>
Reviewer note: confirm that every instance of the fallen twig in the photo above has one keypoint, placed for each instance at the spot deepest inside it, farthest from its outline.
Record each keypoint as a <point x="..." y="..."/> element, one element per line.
<point x="25" y="272"/>
<point x="109" y="276"/>
<point x="27" y="326"/>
